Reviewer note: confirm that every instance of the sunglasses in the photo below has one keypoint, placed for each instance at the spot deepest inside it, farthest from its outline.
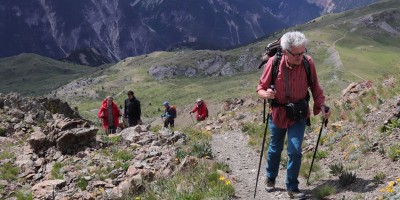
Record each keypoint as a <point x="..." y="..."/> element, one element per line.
<point x="296" y="54"/>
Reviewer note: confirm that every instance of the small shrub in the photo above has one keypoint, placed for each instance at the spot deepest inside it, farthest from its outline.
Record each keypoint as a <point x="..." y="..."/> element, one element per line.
<point x="180" y="154"/>
<point x="392" y="125"/>
<point x="325" y="191"/>
<point x="321" y="154"/>
<point x="116" y="139"/>
<point x="55" y="172"/>
<point x="222" y="166"/>
<point x="201" y="150"/>
<point x="8" y="171"/>
<point x="347" y="178"/>
<point x="6" y="155"/>
<point x="23" y="196"/>
<point x="394" y="152"/>
<point x="156" y="128"/>
<point x="256" y="133"/>
<point x="2" y="132"/>
<point x="82" y="183"/>
<point x="336" y="169"/>
<point x="379" y="177"/>
<point x="381" y="150"/>
<point x="305" y="168"/>
<point x="123" y="155"/>
<point x="122" y="165"/>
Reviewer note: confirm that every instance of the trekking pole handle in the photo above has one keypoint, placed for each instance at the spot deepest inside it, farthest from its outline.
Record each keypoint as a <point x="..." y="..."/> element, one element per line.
<point x="326" y="120"/>
<point x="272" y="87"/>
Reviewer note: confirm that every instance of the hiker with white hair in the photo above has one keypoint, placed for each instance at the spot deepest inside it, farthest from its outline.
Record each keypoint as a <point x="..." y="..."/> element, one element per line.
<point x="289" y="98"/>
<point x="201" y="108"/>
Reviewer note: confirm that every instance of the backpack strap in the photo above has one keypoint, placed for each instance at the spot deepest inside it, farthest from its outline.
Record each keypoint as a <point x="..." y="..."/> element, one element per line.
<point x="275" y="66"/>
<point x="307" y="68"/>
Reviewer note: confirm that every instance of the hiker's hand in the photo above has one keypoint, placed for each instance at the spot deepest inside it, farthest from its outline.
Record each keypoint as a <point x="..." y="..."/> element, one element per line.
<point x="325" y="115"/>
<point x="267" y="94"/>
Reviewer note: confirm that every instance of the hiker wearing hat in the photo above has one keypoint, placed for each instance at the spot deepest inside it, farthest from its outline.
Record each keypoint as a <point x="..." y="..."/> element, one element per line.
<point x="109" y="113"/>
<point x="132" y="110"/>
<point x="169" y="114"/>
<point x="201" y="108"/>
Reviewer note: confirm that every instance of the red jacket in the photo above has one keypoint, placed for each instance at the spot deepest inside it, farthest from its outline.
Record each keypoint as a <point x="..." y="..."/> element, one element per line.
<point x="103" y="110"/>
<point x="298" y="88"/>
<point x="202" y="111"/>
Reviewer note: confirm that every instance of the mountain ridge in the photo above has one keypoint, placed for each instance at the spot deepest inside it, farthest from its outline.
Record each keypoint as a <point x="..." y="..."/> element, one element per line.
<point x="122" y="29"/>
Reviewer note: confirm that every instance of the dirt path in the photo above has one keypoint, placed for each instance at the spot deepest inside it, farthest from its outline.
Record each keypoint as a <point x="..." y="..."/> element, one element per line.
<point x="232" y="148"/>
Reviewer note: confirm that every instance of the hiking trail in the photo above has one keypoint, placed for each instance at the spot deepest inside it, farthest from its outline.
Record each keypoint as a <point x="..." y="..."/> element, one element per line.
<point x="232" y="148"/>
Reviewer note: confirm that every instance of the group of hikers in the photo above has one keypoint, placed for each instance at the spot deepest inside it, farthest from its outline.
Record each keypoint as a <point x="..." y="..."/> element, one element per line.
<point x="284" y="83"/>
<point x="110" y="113"/>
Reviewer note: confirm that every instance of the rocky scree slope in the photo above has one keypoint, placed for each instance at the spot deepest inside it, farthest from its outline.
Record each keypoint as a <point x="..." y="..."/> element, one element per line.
<point x="49" y="151"/>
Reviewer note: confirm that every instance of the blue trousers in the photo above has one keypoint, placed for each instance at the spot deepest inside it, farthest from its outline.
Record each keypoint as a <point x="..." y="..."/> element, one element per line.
<point x="295" y="138"/>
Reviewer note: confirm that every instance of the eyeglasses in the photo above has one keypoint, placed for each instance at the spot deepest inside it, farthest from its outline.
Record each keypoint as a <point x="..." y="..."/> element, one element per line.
<point x="297" y="54"/>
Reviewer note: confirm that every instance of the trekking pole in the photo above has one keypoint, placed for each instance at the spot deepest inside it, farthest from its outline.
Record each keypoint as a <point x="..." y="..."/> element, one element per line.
<point x="265" y="105"/>
<point x="263" y="143"/>
<point x="324" y="123"/>
<point x="261" y="154"/>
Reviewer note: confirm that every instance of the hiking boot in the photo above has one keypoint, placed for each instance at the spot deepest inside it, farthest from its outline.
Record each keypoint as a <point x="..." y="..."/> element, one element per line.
<point x="269" y="184"/>
<point x="296" y="194"/>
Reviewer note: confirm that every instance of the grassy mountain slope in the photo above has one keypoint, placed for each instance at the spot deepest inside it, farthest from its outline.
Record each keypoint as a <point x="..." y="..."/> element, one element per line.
<point x="346" y="47"/>
<point x="37" y="75"/>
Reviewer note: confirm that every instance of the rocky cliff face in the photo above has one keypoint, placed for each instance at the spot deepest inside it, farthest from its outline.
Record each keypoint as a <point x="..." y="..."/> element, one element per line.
<point x="119" y="29"/>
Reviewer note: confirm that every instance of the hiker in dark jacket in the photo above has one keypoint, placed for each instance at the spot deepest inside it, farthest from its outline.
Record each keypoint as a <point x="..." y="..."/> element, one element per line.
<point x="169" y="114"/>
<point x="132" y="110"/>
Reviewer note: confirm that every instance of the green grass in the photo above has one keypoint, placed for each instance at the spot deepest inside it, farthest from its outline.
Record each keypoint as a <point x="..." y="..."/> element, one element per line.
<point x="20" y="195"/>
<point x="82" y="183"/>
<point x="201" y="182"/>
<point x="324" y="191"/>
<point x="37" y="75"/>
<point x="256" y="133"/>
<point x="305" y="168"/>
<point x="6" y="155"/>
<point x="55" y="172"/>
<point x="8" y="171"/>
<point x="394" y="152"/>
<point x="379" y="177"/>
<point x="2" y="132"/>
<point x="122" y="155"/>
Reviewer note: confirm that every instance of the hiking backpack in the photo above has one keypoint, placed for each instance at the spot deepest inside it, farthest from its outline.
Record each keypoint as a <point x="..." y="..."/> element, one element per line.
<point x="274" y="49"/>
<point x="173" y="108"/>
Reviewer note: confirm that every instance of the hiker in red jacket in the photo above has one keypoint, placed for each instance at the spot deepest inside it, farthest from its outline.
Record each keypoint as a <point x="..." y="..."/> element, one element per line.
<point x="109" y="113"/>
<point x="201" y="108"/>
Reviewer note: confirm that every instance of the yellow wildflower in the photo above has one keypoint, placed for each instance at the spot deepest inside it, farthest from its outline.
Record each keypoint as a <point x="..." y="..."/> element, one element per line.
<point x="227" y="182"/>
<point x="221" y="178"/>
<point x="380" y="198"/>
<point x="391" y="183"/>
<point x="382" y="190"/>
<point x="389" y="189"/>
<point x="398" y="179"/>
<point x="137" y="198"/>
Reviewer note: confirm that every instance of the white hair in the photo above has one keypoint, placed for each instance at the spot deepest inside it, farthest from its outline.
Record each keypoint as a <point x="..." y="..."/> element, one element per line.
<point x="293" y="39"/>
